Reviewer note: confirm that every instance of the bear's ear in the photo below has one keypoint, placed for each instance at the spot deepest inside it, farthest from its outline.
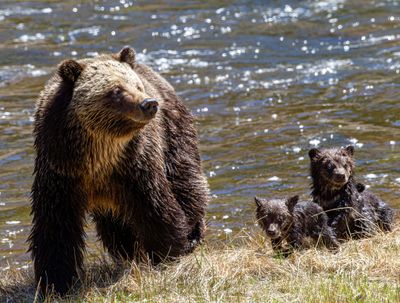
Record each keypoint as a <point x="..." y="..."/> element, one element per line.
<point x="360" y="187"/>
<point x="291" y="202"/>
<point x="69" y="70"/>
<point x="350" y="150"/>
<point x="314" y="153"/>
<point x="127" y="55"/>
<point x="258" y="201"/>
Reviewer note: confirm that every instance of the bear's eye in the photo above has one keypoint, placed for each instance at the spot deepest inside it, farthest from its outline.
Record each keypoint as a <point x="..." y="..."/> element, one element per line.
<point x="269" y="219"/>
<point x="139" y="88"/>
<point x="330" y="167"/>
<point x="117" y="93"/>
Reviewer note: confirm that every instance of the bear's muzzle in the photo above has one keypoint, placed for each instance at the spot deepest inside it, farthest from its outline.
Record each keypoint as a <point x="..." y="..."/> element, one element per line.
<point x="149" y="107"/>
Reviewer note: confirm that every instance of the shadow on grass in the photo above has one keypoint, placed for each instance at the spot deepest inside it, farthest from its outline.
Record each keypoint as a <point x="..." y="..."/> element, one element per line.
<point x="18" y="286"/>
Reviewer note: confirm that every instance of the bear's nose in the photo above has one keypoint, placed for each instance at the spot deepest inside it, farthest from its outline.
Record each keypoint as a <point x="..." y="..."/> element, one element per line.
<point x="271" y="232"/>
<point x="149" y="106"/>
<point x="340" y="177"/>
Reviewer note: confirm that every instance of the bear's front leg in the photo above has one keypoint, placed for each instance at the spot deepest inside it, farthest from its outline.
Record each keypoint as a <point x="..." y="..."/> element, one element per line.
<point x="296" y="235"/>
<point x="328" y="238"/>
<point x="158" y="218"/>
<point x="57" y="235"/>
<point x="340" y="225"/>
<point x="276" y="244"/>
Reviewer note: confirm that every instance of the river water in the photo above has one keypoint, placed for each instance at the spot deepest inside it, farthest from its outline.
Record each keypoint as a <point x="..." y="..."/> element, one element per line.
<point x="267" y="81"/>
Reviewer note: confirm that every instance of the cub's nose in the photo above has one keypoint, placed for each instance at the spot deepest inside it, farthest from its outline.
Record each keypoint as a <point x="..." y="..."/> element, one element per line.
<point x="271" y="233"/>
<point x="340" y="177"/>
<point x="149" y="106"/>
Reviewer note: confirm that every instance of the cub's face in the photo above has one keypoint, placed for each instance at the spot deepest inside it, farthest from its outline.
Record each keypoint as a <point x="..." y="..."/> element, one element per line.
<point x="275" y="215"/>
<point x="332" y="167"/>
<point x="109" y="96"/>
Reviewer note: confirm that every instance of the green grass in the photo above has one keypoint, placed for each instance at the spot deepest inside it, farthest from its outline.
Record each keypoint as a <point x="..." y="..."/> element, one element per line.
<point x="243" y="270"/>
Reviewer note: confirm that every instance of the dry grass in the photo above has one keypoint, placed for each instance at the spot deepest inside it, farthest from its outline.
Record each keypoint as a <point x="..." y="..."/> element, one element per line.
<point x="245" y="270"/>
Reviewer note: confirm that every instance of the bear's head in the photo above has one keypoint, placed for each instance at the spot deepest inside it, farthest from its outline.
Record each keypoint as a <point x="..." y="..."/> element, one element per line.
<point x="332" y="168"/>
<point x="108" y="96"/>
<point x="275" y="215"/>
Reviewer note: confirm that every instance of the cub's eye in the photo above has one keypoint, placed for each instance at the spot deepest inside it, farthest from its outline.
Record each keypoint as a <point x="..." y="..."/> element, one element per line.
<point x="268" y="219"/>
<point x="139" y="88"/>
<point x="330" y="167"/>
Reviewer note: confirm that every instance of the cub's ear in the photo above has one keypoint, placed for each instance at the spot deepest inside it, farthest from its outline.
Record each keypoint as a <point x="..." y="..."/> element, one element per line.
<point x="291" y="202"/>
<point x="314" y="153"/>
<point x="350" y="150"/>
<point x="258" y="201"/>
<point x="69" y="70"/>
<point x="127" y="55"/>
<point x="360" y="187"/>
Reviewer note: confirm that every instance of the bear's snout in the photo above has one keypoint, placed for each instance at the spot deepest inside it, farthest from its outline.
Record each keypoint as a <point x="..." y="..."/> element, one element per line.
<point x="339" y="177"/>
<point x="149" y="107"/>
<point x="273" y="231"/>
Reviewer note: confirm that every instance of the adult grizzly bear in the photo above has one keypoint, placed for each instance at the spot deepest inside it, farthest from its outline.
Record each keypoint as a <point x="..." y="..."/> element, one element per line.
<point x="113" y="139"/>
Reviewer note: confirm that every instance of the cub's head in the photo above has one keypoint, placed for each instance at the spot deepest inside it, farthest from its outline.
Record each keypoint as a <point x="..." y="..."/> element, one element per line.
<point x="332" y="167"/>
<point x="108" y="95"/>
<point x="275" y="215"/>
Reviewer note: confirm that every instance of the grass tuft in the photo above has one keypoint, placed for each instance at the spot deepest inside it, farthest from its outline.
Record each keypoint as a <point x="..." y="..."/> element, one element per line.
<point x="244" y="270"/>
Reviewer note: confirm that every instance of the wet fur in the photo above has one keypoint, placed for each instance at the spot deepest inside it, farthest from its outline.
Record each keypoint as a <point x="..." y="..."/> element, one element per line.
<point x="293" y="222"/>
<point x="352" y="210"/>
<point x="142" y="181"/>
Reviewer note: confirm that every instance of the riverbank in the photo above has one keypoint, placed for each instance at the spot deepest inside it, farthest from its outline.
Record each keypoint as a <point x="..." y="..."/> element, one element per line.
<point x="245" y="270"/>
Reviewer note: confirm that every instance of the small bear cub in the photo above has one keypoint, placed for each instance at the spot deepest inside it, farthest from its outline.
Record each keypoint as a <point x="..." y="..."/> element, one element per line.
<point x="294" y="221"/>
<point x="353" y="211"/>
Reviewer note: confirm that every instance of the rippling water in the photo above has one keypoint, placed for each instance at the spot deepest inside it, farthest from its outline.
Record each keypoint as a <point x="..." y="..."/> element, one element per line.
<point x="267" y="81"/>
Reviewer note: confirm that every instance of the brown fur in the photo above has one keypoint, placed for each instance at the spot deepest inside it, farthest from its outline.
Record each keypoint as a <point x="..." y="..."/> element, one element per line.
<point x="99" y="150"/>
<point x="290" y="221"/>
<point x="352" y="210"/>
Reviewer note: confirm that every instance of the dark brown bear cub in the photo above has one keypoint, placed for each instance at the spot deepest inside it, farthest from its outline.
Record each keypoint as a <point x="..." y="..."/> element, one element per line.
<point x="290" y="221"/>
<point x="113" y="139"/>
<point x="352" y="210"/>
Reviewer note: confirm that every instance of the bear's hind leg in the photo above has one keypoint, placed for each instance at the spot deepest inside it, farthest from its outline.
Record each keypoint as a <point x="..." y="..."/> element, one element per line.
<point x="118" y="237"/>
<point x="197" y="234"/>
<point x="386" y="218"/>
